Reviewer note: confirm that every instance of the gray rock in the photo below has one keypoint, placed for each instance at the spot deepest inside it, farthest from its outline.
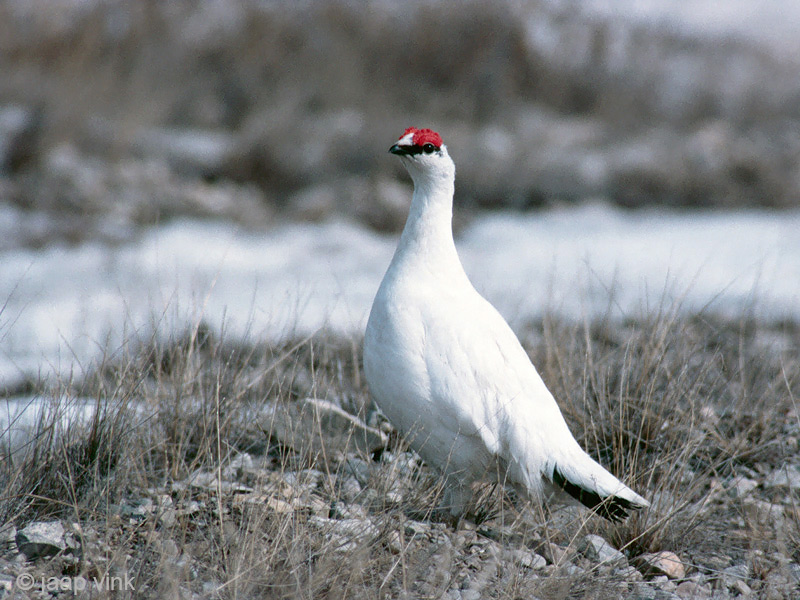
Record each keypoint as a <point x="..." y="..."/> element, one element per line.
<point x="662" y="563"/>
<point x="742" y="589"/>
<point x="343" y="511"/>
<point x="360" y="469"/>
<point x="763" y="512"/>
<point x="394" y="497"/>
<point x="416" y="528"/>
<point x="442" y="556"/>
<point x="487" y="569"/>
<point x="554" y="553"/>
<point x="144" y="508"/>
<point x="646" y="591"/>
<point x="208" y="481"/>
<point x="403" y="462"/>
<point x="239" y="464"/>
<point x="6" y="584"/>
<point x="345" y="534"/>
<point x="167" y="514"/>
<point x="787" y="477"/>
<point x="189" y="508"/>
<point x="777" y="584"/>
<point x="627" y="573"/>
<point x="741" y="486"/>
<point x="692" y="590"/>
<point x="524" y="558"/>
<point x="169" y="548"/>
<point x="45" y="538"/>
<point x="717" y="562"/>
<point x="536" y="561"/>
<point x="349" y="489"/>
<point x="597" y="549"/>
<point x="730" y="575"/>
<point x="573" y="570"/>
<point x="664" y="583"/>
<point x="303" y="479"/>
<point x="793" y="571"/>
<point x="128" y="510"/>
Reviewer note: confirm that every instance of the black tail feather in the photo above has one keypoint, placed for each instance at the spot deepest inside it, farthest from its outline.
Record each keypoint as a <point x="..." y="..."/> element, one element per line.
<point x="613" y="508"/>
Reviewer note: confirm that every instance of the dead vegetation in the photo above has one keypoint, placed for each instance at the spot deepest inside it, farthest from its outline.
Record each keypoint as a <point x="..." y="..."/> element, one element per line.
<point x="185" y="482"/>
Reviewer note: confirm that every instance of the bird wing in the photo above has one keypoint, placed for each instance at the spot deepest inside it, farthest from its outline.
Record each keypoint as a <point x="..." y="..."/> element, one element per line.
<point x="481" y="372"/>
<point x="487" y="387"/>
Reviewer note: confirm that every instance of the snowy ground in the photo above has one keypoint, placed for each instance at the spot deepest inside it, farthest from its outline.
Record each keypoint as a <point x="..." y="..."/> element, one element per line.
<point x="65" y="307"/>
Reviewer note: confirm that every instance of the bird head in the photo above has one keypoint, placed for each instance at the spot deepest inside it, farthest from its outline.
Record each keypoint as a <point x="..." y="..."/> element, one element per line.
<point x="423" y="154"/>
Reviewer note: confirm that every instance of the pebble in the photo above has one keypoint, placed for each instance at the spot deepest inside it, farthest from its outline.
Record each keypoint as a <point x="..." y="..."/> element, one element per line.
<point x="44" y="538"/>
<point x="343" y="510"/>
<point x="741" y="588"/>
<point x="597" y="549"/>
<point x="346" y="534"/>
<point x="742" y="486"/>
<point x="359" y="468"/>
<point x="169" y="548"/>
<point x="574" y="570"/>
<point x="627" y="573"/>
<point x="763" y="512"/>
<point x="662" y="563"/>
<point x="786" y="477"/>
<point x="349" y="489"/>
<point x="554" y="553"/>
<point x="647" y="591"/>
<point x="524" y="558"/>
<point x="693" y="590"/>
<point x="735" y="573"/>
<point x="239" y="464"/>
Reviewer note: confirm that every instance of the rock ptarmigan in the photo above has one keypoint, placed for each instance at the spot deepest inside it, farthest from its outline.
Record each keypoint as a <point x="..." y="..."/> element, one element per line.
<point x="449" y="373"/>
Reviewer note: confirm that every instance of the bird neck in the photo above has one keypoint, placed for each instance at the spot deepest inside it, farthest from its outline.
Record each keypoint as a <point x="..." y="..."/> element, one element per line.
<point x="428" y="233"/>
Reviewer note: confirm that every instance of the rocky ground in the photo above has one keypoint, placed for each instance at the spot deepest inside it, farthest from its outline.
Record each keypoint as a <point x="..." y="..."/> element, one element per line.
<point x="265" y="472"/>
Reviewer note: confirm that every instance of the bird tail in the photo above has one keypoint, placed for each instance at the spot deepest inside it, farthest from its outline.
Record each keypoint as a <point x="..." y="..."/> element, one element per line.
<point x="589" y="483"/>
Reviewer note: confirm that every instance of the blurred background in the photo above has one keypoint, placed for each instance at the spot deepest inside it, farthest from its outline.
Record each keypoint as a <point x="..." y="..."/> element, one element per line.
<point x="120" y="113"/>
<point x="120" y="117"/>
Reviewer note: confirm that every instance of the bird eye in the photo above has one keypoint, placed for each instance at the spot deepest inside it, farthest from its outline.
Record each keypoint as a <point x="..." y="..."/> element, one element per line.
<point x="428" y="148"/>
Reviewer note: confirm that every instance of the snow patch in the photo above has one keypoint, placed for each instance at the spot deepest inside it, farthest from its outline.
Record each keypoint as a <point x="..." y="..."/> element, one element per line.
<point x="65" y="308"/>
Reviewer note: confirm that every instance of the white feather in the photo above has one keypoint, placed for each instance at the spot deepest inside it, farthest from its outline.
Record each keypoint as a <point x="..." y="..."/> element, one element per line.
<point x="448" y="371"/>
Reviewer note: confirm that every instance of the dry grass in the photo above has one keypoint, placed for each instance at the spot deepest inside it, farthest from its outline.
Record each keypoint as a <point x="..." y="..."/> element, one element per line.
<point x="160" y="487"/>
<point x="681" y="406"/>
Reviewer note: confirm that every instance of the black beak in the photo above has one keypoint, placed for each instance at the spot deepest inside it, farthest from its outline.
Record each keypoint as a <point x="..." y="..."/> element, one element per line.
<point x="399" y="150"/>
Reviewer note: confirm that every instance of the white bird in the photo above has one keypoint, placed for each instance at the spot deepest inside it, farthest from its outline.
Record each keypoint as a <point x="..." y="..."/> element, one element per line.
<point x="449" y="373"/>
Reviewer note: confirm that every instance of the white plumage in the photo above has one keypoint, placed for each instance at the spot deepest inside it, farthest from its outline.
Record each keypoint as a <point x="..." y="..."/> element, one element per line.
<point x="448" y="371"/>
